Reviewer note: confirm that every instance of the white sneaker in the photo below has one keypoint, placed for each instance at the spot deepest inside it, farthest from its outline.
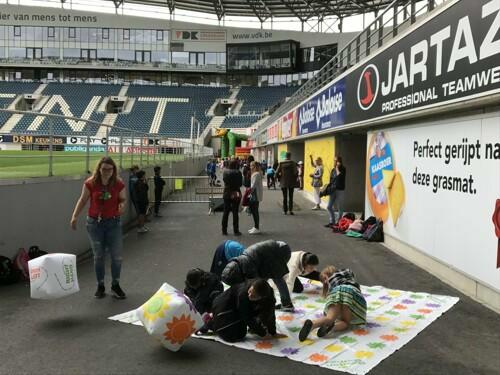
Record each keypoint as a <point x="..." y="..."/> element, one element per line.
<point x="316" y="208"/>
<point x="254" y="231"/>
<point x="142" y="230"/>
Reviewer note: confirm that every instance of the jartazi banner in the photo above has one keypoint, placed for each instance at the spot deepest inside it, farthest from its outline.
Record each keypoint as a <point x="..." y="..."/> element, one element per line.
<point x="453" y="56"/>
<point x="323" y="111"/>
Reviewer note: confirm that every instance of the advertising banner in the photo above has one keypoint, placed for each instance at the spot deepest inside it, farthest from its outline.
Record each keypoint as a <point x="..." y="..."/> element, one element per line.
<point x="436" y="188"/>
<point x="199" y="35"/>
<point x="272" y="133"/>
<point x="81" y="148"/>
<point x="453" y="56"/>
<point x="35" y="139"/>
<point x="287" y="126"/>
<point x="325" y="110"/>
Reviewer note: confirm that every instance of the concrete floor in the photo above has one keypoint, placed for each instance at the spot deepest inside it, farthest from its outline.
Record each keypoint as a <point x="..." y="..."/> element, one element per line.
<point x="73" y="336"/>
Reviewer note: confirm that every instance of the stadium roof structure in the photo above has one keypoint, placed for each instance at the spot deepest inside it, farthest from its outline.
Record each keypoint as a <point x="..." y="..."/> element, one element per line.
<point x="265" y="9"/>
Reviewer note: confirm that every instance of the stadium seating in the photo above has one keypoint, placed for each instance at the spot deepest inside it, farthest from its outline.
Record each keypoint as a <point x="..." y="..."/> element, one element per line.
<point x="73" y="98"/>
<point x="239" y="121"/>
<point x="180" y="103"/>
<point x="257" y="100"/>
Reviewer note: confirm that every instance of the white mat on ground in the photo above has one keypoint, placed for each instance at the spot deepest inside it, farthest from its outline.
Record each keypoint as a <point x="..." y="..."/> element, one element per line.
<point x="394" y="318"/>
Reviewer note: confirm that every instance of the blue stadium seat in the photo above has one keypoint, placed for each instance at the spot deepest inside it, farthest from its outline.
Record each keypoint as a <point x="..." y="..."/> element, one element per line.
<point x="257" y="100"/>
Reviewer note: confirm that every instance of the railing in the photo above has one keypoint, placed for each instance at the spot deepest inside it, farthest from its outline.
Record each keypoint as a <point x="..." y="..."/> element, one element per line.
<point x="188" y="189"/>
<point x="386" y="26"/>
<point x="156" y="65"/>
<point x="49" y="153"/>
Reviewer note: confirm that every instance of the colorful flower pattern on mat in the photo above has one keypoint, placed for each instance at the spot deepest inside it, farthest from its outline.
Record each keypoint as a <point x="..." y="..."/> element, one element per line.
<point x="408" y="301"/>
<point x="372" y="290"/>
<point x="156" y="306"/>
<point x="311" y="306"/>
<point x="385" y="298"/>
<point x="320" y="300"/>
<point x="299" y="311"/>
<point x="285" y="318"/>
<point x="416" y="296"/>
<point x="382" y="318"/>
<point x="360" y="332"/>
<point x="307" y="342"/>
<point x="300" y="298"/>
<point x="319" y="315"/>
<point x="408" y="323"/>
<point x="180" y="329"/>
<point x="317" y="357"/>
<point x="394" y="293"/>
<point x="433" y="305"/>
<point x="400" y="330"/>
<point x="391" y="312"/>
<point x="376" y="345"/>
<point x="417" y="316"/>
<point x="363" y="354"/>
<point x="399" y="307"/>
<point x="293" y="329"/>
<point x="372" y="325"/>
<point x="424" y="311"/>
<point x="389" y="337"/>
<point x="264" y="345"/>
<point x="348" y="340"/>
<point x="289" y="351"/>
<point x="334" y="348"/>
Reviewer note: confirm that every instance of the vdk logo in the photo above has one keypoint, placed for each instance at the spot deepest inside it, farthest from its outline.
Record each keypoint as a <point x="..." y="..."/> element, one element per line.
<point x="368" y="86"/>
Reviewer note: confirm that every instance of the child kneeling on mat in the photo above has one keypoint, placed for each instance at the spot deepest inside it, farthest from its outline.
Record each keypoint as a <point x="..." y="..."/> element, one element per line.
<point x="344" y="306"/>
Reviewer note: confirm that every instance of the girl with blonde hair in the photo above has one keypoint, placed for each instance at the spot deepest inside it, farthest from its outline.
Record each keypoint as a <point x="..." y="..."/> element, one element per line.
<point x="344" y="305"/>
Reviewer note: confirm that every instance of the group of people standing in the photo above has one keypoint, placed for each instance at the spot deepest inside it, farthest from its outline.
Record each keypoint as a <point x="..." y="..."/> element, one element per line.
<point x="249" y="304"/>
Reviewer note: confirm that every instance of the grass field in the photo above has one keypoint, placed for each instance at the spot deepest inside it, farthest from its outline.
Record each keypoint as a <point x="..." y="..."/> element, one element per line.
<point x="23" y="164"/>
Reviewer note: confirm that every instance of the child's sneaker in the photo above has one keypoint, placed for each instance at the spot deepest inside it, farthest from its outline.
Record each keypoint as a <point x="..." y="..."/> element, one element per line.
<point x="325" y="329"/>
<point x="305" y="330"/>
<point x="142" y="230"/>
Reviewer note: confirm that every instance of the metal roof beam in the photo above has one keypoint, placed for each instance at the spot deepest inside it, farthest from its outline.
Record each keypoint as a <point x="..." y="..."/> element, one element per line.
<point x="260" y="9"/>
<point x="219" y="9"/>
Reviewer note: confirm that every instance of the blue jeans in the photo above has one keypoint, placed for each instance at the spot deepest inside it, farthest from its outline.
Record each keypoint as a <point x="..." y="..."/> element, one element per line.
<point x="284" y="292"/>
<point x="106" y="235"/>
<point x="336" y="200"/>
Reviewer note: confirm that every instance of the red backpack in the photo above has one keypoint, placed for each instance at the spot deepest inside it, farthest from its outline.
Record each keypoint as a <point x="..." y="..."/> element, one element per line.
<point x="21" y="264"/>
<point x="342" y="225"/>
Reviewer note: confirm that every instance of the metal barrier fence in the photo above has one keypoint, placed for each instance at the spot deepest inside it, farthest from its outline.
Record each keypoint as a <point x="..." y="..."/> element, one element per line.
<point x="54" y="152"/>
<point x="386" y="26"/>
<point x="188" y="189"/>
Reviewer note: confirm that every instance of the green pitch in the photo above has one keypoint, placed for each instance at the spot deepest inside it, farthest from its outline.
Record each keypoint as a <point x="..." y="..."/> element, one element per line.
<point x="23" y="164"/>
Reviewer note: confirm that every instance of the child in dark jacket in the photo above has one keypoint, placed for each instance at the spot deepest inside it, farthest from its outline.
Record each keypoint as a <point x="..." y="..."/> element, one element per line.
<point x="202" y="287"/>
<point x="141" y="199"/>
<point x="159" y="183"/>
<point x="246" y="305"/>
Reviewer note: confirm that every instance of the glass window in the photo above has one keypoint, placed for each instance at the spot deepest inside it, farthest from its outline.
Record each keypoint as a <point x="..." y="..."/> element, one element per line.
<point x="180" y="57"/>
<point x="105" y="54"/>
<point x="17" y="30"/>
<point x="84" y="35"/>
<point x="160" y="57"/>
<point x="159" y="34"/>
<point x="71" y="53"/>
<point x="17" y="53"/>
<point x="105" y="33"/>
<point x="126" y="34"/>
<point x="92" y="35"/>
<point x="29" y="33"/>
<point x="72" y="32"/>
<point x="51" y="53"/>
<point x="192" y="58"/>
<point x="211" y="58"/>
<point x="126" y="55"/>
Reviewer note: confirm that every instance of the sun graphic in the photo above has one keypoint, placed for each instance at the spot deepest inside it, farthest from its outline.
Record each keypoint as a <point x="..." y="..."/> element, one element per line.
<point x="178" y="330"/>
<point x="156" y="306"/>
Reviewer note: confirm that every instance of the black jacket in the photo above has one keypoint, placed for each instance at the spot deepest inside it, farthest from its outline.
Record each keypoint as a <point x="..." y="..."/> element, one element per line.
<point x="233" y="307"/>
<point x="232" y="182"/>
<point x="203" y="297"/>
<point x="338" y="180"/>
<point x="266" y="260"/>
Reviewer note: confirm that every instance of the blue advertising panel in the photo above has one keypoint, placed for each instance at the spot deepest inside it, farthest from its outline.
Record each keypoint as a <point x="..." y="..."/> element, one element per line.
<point x="325" y="110"/>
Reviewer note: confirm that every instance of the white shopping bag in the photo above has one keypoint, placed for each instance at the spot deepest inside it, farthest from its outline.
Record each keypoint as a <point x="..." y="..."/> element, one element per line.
<point x="53" y="276"/>
<point x="170" y="317"/>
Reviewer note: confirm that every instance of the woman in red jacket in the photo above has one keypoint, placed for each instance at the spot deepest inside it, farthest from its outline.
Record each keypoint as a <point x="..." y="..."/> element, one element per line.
<point x="106" y="193"/>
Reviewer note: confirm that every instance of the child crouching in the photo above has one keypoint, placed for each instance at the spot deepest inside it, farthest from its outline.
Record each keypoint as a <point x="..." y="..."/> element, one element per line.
<point x="344" y="306"/>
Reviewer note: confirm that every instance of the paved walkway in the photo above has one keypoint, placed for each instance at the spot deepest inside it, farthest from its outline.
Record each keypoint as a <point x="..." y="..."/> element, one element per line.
<point x="73" y="336"/>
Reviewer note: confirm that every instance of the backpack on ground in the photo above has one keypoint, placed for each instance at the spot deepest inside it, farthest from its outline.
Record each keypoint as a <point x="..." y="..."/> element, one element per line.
<point x="375" y="233"/>
<point x="35" y="252"/>
<point x="342" y="225"/>
<point x="350" y="216"/>
<point x="8" y="274"/>
<point x="21" y="263"/>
